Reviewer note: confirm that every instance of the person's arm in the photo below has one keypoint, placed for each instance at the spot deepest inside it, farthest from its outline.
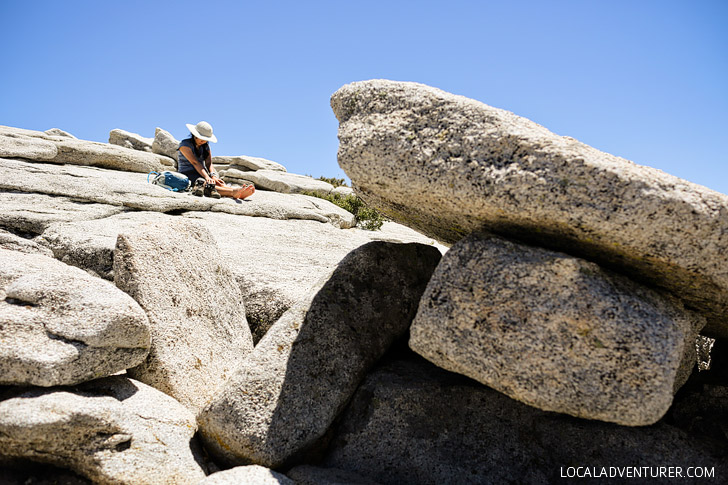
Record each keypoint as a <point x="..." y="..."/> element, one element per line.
<point x="211" y="170"/>
<point x="190" y="156"/>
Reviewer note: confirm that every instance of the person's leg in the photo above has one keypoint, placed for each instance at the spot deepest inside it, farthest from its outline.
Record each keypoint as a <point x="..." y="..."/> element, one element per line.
<point x="235" y="193"/>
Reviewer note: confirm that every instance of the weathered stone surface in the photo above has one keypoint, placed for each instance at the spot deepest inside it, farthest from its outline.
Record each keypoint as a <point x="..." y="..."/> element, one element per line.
<point x="165" y="144"/>
<point x="235" y="176"/>
<point x="130" y="140"/>
<point x="253" y="474"/>
<point x="448" y="165"/>
<point x="556" y="332"/>
<point x="104" y="155"/>
<point x="14" y="145"/>
<point x="59" y="132"/>
<point x="195" y="308"/>
<point x="313" y="475"/>
<point x="412" y="423"/>
<point x="286" y="394"/>
<point x="245" y="163"/>
<point x="131" y="190"/>
<point x="42" y="147"/>
<point x="343" y="191"/>
<point x="271" y="276"/>
<point x="287" y="183"/>
<point x="59" y="325"/>
<point x="12" y="242"/>
<point x="90" y="244"/>
<point x="33" y="213"/>
<point x="113" y="430"/>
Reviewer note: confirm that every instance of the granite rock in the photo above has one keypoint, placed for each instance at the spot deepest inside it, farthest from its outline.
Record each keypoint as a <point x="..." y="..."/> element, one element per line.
<point x="130" y="140"/>
<point x="32" y="213"/>
<point x="114" y="430"/>
<point x="59" y="132"/>
<point x="13" y="242"/>
<point x="313" y="475"/>
<point x="283" y="399"/>
<point x="15" y="145"/>
<point x="272" y="277"/>
<point x="448" y="165"/>
<point x="555" y="331"/>
<point x="252" y="474"/>
<point x="413" y="423"/>
<point x="59" y="325"/>
<point x="131" y="191"/>
<point x="287" y="183"/>
<point x="165" y="144"/>
<point x="245" y="163"/>
<point x="195" y="308"/>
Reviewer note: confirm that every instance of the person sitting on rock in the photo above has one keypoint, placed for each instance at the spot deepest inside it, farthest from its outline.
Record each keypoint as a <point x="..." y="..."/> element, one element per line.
<point x="195" y="161"/>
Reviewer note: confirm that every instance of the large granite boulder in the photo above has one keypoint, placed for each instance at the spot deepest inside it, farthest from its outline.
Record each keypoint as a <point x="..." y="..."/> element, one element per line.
<point x="413" y="423"/>
<point x="131" y="191"/>
<point x="286" y="182"/>
<point x="165" y="144"/>
<point x="32" y="213"/>
<point x="252" y="474"/>
<point x="285" y="396"/>
<point x="448" y="165"/>
<point x="555" y="331"/>
<point x="131" y="140"/>
<point x="114" y="430"/>
<point x="245" y="163"/>
<point x="59" y="325"/>
<point x="195" y="308"/>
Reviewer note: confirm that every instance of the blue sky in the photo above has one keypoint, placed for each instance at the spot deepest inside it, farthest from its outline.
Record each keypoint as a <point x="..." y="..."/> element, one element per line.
<point x="646" y="80"/>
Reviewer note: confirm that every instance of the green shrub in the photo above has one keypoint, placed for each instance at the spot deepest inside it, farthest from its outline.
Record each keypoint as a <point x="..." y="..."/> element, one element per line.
<point x="366" y="217"/>
<point x="332" y="180"/>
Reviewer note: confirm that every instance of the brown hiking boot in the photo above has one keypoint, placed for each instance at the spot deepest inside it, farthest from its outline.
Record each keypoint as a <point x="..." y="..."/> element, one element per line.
<point x="211" y="191"/>
<point x="199" y="188"/>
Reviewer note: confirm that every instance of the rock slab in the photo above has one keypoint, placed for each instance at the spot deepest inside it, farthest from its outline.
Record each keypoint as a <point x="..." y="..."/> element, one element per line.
<point x="448" y="165"/>
<point x="253" y="474"/>
<point x="165" y="144"/>
<point x="555" y="331"/>
<point x="195" y="308"/>
<point x="245" y="163"/>
<point x="127" y="139"/>
<point x="411" y="423"/>
<point x="286" y="394"/>
<point x="61" y="326"/>
<point x="114" y="430"/>
<point x="285" y="182"/>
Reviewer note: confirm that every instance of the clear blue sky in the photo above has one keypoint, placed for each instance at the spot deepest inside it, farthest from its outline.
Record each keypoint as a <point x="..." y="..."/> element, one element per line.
<point x="643" y="79"/>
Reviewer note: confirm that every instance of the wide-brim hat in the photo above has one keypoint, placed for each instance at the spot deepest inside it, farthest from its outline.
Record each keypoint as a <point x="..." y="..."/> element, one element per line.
<point x="203" y="131"/>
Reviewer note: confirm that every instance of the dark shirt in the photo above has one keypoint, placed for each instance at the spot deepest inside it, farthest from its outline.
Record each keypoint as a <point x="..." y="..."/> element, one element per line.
<point x="201" y="152"/>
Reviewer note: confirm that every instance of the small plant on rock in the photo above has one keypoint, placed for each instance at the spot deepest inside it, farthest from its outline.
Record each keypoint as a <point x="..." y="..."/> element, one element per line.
<point x="366" y="217"/>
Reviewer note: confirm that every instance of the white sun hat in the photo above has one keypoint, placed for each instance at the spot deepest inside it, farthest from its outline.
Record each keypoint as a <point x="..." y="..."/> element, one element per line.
<point x="203" y="131"/>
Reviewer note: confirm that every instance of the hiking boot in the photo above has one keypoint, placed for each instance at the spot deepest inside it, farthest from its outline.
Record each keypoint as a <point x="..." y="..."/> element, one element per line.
<point x="211" y="191"/>
<point x="199" y="189"/>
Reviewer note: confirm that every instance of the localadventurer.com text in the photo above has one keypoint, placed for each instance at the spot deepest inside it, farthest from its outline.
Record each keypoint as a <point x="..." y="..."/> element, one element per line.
<point x="637" y="472"/>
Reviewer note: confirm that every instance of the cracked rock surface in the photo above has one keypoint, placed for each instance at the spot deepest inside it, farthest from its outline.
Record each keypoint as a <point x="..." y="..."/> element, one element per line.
<point x="60" y="325"/>
<point x="113" y="430"/>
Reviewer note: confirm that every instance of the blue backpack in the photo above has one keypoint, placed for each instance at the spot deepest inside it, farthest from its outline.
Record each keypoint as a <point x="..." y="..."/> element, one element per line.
<point x="174" y="181"/>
